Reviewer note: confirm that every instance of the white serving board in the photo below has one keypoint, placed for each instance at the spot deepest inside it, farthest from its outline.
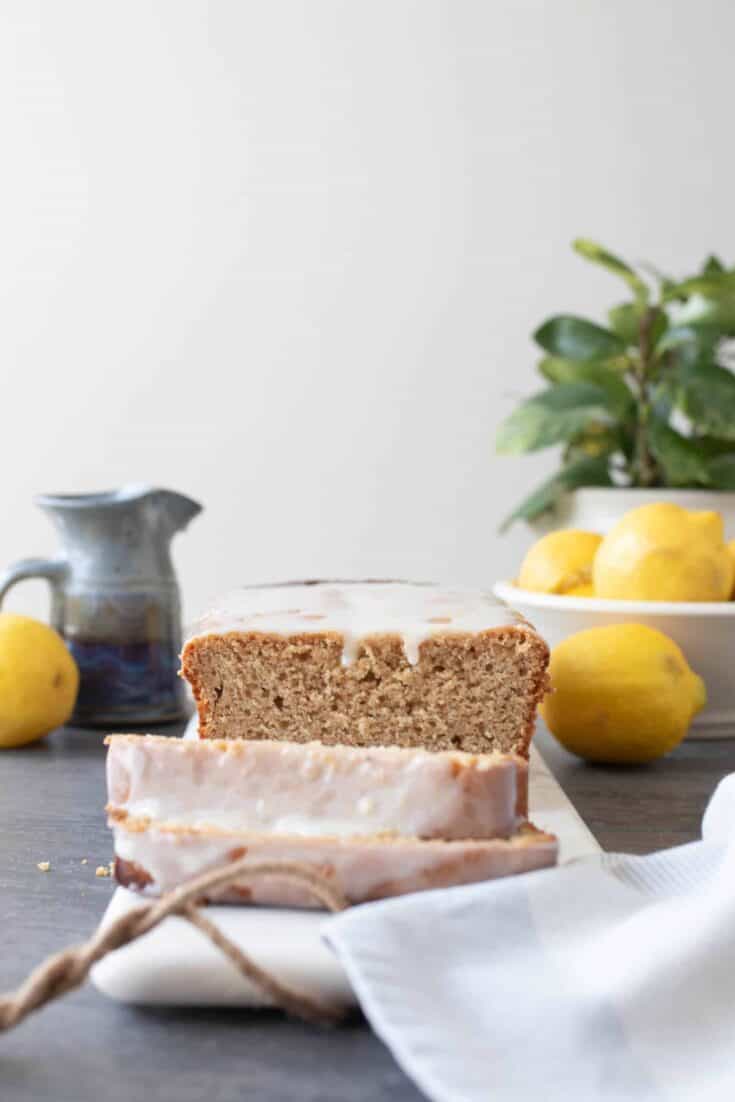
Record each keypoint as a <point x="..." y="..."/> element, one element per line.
<point x="175" y="965"/>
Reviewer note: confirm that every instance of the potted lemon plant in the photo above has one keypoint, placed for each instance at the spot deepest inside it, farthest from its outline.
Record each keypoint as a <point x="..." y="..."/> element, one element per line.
<point x="643" y="407"/>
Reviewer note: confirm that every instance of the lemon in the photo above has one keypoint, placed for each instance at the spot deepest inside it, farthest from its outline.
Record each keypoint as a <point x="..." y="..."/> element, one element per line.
<point x="38" y="680"/>
<point x="662" y="552"/>
<point x="731" y="551"/>
<point x="560" y="562"/>
<point x="586" y="590"/>
<point x="622" y="693"/>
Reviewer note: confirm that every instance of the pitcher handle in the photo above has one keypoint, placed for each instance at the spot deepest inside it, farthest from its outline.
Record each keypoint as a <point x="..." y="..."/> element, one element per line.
<point x="53" y="570"/>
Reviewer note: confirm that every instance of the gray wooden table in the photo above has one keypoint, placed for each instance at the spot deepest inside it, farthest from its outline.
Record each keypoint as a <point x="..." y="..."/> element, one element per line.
<point x="87" y="1049"/>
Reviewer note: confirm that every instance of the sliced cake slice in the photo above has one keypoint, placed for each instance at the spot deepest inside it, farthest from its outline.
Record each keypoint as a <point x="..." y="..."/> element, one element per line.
<point x="312" y="789"/>
<point x="154" y="857"/>
<point x="367" y="664"/>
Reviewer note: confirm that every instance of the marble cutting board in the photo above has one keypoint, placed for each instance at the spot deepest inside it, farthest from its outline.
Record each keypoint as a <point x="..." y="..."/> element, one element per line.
<point x="175" y="965"/>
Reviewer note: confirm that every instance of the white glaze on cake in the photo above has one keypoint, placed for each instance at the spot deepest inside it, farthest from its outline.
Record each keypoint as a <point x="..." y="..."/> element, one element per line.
<point x="156" y="857"/>
<point x="356" y="610"/>
<point x="313" y="790"/>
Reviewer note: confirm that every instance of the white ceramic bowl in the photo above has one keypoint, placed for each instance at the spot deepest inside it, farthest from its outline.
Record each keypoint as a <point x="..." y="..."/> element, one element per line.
<point x="704" y="631"/>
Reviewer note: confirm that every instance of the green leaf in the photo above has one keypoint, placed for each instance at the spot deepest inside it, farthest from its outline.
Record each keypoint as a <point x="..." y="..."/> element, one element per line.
<point x="575" y="338"/>
<point x="713" y="285"/>
<point x="679" y="459"/>
<point x="552" y="417"/>
<point x="707" y="398"/>
<point x="690" y="348"/>
<point x="625" y="321"/>
<point x="626" y="442"/>
<point x="712" y="447"/>
<point x="627" y="318"/>
<point x="558" y="370"/>
<point x="583" y="472"/>
<point x="712" y="265"/>
<point x="714" y="311"/>
<point x="681" y="335"/>
<point x="594" y="440"/>
<point x="722" y="472"/>
<point x="590" y="250"/>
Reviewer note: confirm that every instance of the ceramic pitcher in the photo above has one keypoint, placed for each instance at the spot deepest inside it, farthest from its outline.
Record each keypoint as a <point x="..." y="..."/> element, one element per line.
<point x="115" y="599"/>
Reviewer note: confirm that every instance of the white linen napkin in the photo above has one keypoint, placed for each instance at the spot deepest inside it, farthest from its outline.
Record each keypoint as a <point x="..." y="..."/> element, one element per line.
<point x="609" y="978"/>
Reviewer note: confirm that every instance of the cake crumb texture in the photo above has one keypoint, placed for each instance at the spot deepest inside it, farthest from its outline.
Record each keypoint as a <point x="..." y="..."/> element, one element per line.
<point x="470" y="691"/>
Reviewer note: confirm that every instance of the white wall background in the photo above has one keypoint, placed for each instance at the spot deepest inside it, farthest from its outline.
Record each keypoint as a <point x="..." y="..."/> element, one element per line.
<point x="285" y="256"/>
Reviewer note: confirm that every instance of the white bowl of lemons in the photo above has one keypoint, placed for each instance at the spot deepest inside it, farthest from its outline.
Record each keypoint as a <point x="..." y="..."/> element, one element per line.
<point x="661" y="567"/>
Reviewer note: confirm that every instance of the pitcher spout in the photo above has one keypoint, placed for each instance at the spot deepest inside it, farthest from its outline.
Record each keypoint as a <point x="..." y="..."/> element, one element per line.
<point x="178" y="510"/>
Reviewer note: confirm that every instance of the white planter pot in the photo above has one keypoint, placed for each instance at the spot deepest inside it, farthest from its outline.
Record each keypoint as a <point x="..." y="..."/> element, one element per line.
<point x="598" y="509"/>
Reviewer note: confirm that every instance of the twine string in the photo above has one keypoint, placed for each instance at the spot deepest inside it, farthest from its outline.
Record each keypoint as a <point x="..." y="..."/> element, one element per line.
<point x="64" y="971"/>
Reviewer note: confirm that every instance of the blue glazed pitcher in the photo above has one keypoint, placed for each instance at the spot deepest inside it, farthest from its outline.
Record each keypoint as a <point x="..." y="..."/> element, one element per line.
<point x="115" y="599"/>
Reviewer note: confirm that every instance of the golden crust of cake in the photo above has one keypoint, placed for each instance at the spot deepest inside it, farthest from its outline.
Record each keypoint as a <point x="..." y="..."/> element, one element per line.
<point x="470" y="691"/>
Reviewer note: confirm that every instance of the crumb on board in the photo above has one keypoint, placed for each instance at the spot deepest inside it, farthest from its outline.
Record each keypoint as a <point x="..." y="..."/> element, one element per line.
<point x="85" y="860"/>
<point x="43" y="866"/>
<point x="102" y="870"/>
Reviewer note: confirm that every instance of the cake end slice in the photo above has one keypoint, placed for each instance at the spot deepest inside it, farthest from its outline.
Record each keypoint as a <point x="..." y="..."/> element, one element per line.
<point x="371" y="664"/>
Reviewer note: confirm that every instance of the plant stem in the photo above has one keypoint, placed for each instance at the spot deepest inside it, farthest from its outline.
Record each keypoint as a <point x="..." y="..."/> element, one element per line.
<point x="644" y="465"/>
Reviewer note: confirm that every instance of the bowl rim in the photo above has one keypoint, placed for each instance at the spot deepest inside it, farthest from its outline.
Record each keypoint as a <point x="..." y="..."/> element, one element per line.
<point x="512" y="595"/>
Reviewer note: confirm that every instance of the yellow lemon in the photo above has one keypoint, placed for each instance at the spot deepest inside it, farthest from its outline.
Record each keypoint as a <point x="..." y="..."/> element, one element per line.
<point x="560" y="562"/>
<point x="586" y="590"/>
<point x="662" y="552"/>
<point x="38" y="680"/>
<point x="622" y="693"/>
<point x="731" y="551"/>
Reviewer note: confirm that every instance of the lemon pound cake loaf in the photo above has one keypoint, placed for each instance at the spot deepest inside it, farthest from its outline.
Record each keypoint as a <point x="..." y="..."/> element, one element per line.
<point x="367" y="664"/>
